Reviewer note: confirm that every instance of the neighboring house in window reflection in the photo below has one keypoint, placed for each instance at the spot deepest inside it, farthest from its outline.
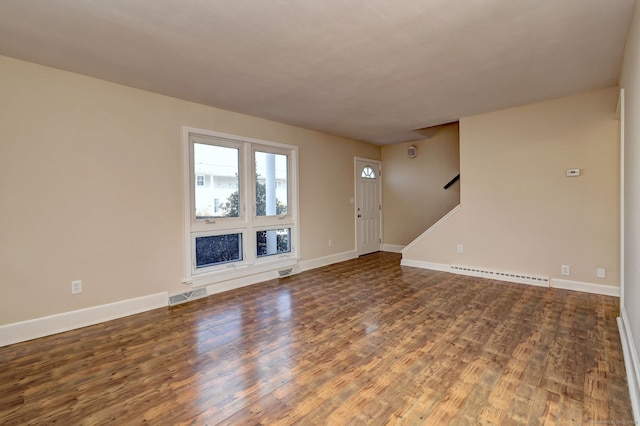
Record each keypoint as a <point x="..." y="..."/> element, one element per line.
<point x="216" y="181"/>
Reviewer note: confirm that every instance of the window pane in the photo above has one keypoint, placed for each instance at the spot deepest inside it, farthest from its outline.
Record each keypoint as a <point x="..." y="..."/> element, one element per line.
<point x="274" y="241"/>
<point x="368" y="173"/>
<point x="216" y="169"/>
<point x="217" y="249"/>
<point x="271" y="184"/>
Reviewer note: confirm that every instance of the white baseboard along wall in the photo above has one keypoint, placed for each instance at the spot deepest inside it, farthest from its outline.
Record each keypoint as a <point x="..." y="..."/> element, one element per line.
<point x="45" y="326"/>
<point x="58" y="323"/>
<point x="53" y="324"/>
<point x="631" y="363"/>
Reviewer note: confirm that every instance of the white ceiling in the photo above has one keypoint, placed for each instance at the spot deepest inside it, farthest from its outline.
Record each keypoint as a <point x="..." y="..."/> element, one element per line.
<point x="371" y="70"/>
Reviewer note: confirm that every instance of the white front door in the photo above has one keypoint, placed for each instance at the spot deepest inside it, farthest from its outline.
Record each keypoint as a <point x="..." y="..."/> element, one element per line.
<point x="368" y="206"/>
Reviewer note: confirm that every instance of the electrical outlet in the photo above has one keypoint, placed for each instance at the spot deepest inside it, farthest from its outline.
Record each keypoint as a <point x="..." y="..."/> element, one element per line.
<point x="601" y="273"/>
<point x="76" y="287"/>
<point x="330" y="243"/>
<point x="459" y="248"/>
<point x="565" y="270"/>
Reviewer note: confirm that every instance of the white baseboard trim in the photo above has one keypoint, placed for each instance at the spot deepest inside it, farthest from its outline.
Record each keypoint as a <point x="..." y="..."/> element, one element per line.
<point x="270" y="275"/>
<point x="493" y="274"/>
<point x="58" y="323"/>
<point x="442" y="267"/>
<point x="605" y="290"/>
<point x="238" y="274"/>
<point x="244" y="281"/>
<point x="306" y="265"/>
<point x="392" y="248"/>
<point x="53" y="324"/>
<point x="632" y="365"/>
<point x="471" y="272"/>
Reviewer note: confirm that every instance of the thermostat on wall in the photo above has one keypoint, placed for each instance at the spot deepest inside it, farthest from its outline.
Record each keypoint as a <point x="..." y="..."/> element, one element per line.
<point x="573" y="172"/>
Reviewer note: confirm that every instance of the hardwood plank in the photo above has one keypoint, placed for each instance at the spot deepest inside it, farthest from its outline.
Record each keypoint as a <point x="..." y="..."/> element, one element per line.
<point x="360" y="342"/>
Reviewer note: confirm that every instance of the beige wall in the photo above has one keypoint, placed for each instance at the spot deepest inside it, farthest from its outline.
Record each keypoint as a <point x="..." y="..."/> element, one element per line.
<point x="630" y="81"/>
<point x="519" y="212"/>
<point x="91" y="188"/>
<point x="412" y="188"/>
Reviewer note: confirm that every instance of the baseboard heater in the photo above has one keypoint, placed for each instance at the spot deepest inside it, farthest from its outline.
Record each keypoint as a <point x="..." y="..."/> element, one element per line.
<point x="519" y="278"/>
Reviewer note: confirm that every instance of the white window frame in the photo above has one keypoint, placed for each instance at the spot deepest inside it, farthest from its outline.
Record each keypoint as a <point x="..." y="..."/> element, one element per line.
<point x="247" y="223"/>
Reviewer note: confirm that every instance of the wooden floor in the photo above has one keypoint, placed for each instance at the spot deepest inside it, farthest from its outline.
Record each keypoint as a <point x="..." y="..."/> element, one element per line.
<point x="361" y="342"/>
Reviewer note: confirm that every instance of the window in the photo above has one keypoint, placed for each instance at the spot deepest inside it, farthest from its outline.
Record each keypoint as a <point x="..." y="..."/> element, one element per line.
<point x="223" y="164"/>
<point x="368" y="173"/>
<point x="273" y="241"/>
<point x="271" y="183"/>
<point x="216" y="249"/>
<point x="240" y="206"/>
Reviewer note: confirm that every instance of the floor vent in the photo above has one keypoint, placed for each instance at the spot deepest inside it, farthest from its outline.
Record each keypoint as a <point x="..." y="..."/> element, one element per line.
<point x="288" y="271"/>
<point x="187" y="296"/>
<point x="501" y="275"/>
<point x="285" y="272"/>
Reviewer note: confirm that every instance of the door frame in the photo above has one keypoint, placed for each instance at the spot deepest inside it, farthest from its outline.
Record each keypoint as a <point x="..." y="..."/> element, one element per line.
<point x="356" y="176"/>
<point x="620" y="110"/>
